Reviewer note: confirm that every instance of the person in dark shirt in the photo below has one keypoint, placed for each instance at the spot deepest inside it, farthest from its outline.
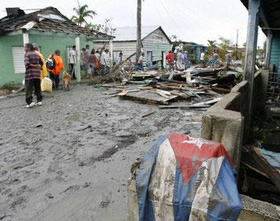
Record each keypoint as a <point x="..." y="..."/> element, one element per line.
<point x="92" y="64"/>
<point x="33" y="64"/>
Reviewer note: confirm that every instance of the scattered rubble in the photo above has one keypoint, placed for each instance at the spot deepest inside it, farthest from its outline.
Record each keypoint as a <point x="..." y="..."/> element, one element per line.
<point x="162" y="87"/>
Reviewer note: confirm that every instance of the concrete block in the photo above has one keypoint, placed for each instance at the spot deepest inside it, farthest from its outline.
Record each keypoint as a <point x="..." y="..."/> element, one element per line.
<point x="255" y="210"/>
<point x="226" y="127"/>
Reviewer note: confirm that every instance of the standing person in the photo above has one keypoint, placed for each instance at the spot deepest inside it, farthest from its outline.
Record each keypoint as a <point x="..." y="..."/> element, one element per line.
<point x="202" y="57"/>
<point x="170" y="60"/>
<point x="180" y="60"/>
<point x="214" y="59"/>
<point x="86" y="57"/>
<point x="97" y="54"/>
<point x="104" y="61"/>
<point x="83" y="61"/>
<point x="186" y="62"/>
<point x="141" y="62"/>
<point x="92" y="63"/>
<point x="72" y="61"/>
<point x="56" y="69"/>
<point x="33" y="64"/>
<point x="44" y="72"/>
<point x="228" y="59"/>
<point x="119" y="59"/>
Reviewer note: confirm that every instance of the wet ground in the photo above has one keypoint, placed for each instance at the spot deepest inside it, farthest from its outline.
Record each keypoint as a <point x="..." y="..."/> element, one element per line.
<point x="70" y="159"/>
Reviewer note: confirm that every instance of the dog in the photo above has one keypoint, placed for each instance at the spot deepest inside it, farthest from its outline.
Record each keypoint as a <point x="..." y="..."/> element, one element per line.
<point x="66" y="78"/>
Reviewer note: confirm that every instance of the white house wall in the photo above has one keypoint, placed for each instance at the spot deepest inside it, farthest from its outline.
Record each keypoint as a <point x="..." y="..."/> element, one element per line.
<point x="127" y="48"/>
<point x="155" y="42"/>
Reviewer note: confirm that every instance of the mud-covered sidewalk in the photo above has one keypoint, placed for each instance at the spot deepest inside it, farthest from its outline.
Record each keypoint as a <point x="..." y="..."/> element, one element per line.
<point x="70" y="159"/>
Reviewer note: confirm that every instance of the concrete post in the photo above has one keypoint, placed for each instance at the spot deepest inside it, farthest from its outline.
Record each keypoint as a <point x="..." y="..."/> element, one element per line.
<point x="164" y="60"/>
<point x="111" y="52"/>
<point x="268" y="50"/>
<point x="250" y="58"/>
<point x="25" y="37"/>
<point x="78" y="62"/>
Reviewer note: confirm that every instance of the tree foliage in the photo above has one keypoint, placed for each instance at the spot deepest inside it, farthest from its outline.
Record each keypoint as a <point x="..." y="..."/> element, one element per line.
<point x="81" y="14"/>
<point x="225" y="46"/>
<point x="107" y="27"/>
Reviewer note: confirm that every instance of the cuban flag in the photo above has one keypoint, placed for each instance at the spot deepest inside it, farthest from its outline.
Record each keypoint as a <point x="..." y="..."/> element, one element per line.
<point x="183" y="178"/>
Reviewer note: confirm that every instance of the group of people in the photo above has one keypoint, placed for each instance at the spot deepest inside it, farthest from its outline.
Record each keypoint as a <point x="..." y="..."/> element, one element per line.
<point x="178" y="60"/>
<point x="36" y="68"/>
<point x="93" y="62"/>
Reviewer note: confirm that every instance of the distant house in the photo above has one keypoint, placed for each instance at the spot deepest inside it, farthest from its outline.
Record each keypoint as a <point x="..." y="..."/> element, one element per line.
<point x="48" y="28"/>
<point x="194" y="50"/>
<point x="155" y="43"/>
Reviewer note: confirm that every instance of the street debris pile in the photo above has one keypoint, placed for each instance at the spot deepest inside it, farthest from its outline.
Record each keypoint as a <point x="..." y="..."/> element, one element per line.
<point x="184" y="177"/>
<point x="260" y="174"/>
<point x="162" y="87"/>
<point x="260" y="163"/>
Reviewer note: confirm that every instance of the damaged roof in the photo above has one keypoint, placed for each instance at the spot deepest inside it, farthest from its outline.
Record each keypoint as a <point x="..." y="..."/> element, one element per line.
<point x="45" y="20"/>
<point x="130" y="33"/>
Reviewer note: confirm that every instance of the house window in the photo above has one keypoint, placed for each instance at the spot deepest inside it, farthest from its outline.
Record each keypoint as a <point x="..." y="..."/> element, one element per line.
<point x="18" y="59"/>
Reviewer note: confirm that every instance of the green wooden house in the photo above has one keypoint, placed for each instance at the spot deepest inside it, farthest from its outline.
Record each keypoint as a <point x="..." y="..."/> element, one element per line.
<point x="48" y="28"/>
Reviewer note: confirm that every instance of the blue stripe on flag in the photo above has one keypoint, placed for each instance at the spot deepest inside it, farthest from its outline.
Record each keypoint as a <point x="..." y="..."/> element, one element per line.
<point x="225" y="202"/>
<point x="183" y="196"/>
<point x="148" y="163"/>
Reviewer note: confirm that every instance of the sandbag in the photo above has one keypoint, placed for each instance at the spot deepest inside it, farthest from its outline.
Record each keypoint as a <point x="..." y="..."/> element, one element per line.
<point x="46" y="84"/>
<point x="184" y="178"/>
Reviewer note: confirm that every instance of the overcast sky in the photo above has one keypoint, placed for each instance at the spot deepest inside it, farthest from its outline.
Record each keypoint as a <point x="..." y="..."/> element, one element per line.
<point x="190" y="20"/>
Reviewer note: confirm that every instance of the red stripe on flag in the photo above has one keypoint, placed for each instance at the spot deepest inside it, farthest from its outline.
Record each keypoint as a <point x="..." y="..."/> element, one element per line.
<point x="190" y="157"/>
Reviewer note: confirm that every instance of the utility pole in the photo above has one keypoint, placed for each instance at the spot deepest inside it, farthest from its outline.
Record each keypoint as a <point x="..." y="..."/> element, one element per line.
<point x="139" y="42"/>
<point x="236" y="49"/>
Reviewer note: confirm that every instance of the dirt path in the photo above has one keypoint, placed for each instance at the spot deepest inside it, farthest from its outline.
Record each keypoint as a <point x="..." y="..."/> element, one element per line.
<point x="70" y="159"/>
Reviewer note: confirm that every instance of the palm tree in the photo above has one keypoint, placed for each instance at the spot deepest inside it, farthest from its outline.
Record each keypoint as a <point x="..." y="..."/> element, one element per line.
<point x="81" y="14"/>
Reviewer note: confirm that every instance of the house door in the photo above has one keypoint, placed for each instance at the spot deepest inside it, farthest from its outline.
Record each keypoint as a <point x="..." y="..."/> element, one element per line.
<point x="149" y="56"/>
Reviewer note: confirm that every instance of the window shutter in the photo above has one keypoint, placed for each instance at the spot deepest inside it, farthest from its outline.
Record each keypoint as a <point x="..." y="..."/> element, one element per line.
<point x="18" y="60"/>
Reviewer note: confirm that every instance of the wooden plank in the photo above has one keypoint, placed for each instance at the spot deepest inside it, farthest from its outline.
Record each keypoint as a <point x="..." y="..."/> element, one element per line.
<point x="204" y="104"/>
<point x="148" y="114"/>
<point x="148" y="96"/>
<point x="255" y="161"/>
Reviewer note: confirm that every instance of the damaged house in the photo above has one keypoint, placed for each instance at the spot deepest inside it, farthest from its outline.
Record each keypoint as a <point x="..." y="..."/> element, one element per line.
<point x="155" y="43"/>
<point x="48" y="28"/>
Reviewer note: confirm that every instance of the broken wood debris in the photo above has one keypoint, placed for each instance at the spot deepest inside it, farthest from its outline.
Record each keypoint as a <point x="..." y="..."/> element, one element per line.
<point x="148" y="114"/>
<point x="161" y="87"/>
<point x="205" y="104"/>
<point x="152" y="96"/>
<point x="266" y="163"/>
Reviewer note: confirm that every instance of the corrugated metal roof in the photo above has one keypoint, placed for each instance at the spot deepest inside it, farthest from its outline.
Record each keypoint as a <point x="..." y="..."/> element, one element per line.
<point x="130" y="33"/>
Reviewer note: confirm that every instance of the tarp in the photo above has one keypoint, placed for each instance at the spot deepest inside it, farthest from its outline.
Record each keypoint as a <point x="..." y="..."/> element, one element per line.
<point x="183" y="178"/>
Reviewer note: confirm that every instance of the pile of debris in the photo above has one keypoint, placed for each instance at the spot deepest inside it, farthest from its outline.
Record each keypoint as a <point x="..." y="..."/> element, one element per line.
<point x="162" y="87"/>
<point x="260" y="174"/>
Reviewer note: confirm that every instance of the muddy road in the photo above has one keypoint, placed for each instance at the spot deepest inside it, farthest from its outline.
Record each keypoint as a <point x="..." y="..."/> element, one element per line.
<point x="70" y="159"/>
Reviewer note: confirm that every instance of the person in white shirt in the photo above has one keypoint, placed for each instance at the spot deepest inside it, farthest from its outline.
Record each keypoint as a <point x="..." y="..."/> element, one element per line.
<point x="97" y="54"/>
<point x="202" y="55"/>
<point x="72" y="61"/>
<point x="105" y="61"/>
<point x="180" y="61"/>
<point x="141" y="62"/>
<point x="119" y="59"/>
